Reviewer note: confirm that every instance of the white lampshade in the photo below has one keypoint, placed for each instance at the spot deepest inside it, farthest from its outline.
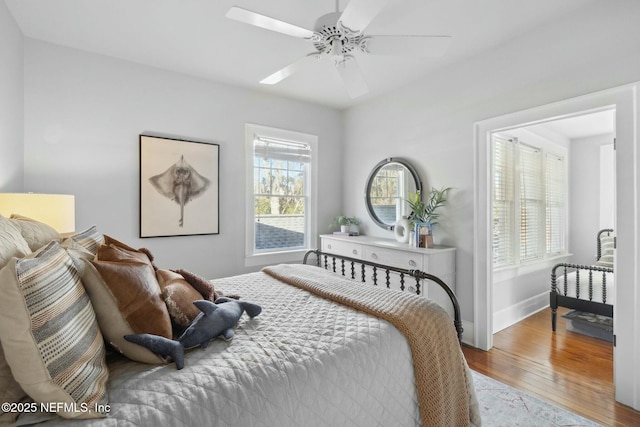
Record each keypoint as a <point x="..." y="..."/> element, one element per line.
<point x="56" y="210"/>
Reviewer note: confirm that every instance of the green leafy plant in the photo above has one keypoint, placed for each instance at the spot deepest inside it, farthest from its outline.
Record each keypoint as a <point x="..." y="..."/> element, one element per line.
<point x="426" y="211"/>
<point x="345" y="220"/>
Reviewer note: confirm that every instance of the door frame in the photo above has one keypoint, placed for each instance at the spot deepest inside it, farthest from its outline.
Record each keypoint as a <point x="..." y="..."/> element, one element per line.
<point x="627" y="318"/>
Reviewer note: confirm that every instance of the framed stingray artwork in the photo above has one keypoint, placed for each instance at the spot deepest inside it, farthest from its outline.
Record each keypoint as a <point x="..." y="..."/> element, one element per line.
<point x="178" y="187"/>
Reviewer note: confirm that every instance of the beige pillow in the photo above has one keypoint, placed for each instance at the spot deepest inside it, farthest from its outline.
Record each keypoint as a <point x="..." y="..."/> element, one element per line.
<point x="36" y="233"/>
<point x="179" y="296"/>
<point x="50" y="335"/>
<point x="10" y="391"/>
<point x="12" y="244"/>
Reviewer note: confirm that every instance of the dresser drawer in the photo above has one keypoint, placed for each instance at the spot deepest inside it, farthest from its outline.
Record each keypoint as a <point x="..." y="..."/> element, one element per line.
<point x="400" y="259"/>
<point x="338" y="247"/>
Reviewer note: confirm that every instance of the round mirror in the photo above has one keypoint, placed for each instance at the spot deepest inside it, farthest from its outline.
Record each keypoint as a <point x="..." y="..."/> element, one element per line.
<point x="388" y="187"/>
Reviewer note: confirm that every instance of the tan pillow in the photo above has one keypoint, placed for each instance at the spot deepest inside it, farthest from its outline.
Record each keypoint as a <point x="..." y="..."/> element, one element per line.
<point x="12" y="244"/>
<point x="49" y="333"/>
<point x="36" y="233"/>
<point x="142" y="254"/>
<point x="179" y="296"/>
<point x="111" y="252"/>
<point x="136" y="290"/>
<point x="126" y="297"/>
<point x="108" y="240"/>
<point x="112" y="323"/>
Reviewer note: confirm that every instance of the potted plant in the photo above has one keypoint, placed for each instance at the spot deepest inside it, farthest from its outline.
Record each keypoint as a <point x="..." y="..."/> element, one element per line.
<point x="346" y="223"/>
<point x="426" y="212"/>
<point x="354" y="225"/>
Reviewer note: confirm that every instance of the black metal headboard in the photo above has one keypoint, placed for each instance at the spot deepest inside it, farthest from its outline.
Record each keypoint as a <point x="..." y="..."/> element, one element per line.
<point x="347" y="267"/>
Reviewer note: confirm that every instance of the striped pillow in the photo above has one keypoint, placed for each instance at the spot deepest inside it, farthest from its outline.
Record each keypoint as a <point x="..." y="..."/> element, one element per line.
<point x="606" y="256"/>
<point x="90" y="239"/>
<point x="50" y="335"/>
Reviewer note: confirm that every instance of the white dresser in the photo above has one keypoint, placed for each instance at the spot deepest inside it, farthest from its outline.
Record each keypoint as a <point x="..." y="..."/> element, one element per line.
<point x="439" y="261"/>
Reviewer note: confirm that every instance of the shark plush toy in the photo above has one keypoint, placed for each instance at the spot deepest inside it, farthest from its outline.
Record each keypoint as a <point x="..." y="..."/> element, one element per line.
<point x="216" y="319"/>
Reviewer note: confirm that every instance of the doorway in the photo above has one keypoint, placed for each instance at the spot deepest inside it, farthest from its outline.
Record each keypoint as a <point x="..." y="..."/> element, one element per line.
<point x="553" y="187"/>
<point x="623" y="99"/>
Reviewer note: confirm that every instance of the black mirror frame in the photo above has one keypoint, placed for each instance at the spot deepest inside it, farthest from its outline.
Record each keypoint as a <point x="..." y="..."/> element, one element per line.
<point x="374" y="172"/>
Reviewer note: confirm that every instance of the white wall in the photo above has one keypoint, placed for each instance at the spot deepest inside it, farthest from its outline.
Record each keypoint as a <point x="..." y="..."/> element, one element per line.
<point x="84" y="113"/>
<point x="607" y="186"/>
<point x="11" y="103"/>
<point x="431" y="122"/>
<point x="585" y="197"/>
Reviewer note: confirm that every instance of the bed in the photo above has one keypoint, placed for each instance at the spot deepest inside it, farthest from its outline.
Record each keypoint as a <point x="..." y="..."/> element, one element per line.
<point x="326" y="350"/>
<point x="586" y="288"/>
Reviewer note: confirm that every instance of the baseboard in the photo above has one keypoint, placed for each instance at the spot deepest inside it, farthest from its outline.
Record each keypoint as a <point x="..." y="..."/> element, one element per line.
<point x="511" y="315"/>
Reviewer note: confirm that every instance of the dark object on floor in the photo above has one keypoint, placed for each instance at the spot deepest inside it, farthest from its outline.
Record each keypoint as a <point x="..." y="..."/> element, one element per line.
<point x="590" y="324"/>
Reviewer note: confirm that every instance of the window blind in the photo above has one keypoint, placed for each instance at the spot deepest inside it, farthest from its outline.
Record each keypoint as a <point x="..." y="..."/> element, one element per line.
<point x="528" y="202"/>
<point x="280" y="149"/>
<point x="531" y="203"/>
<point x="503" y="201"/>
<point x="555" y="203"/>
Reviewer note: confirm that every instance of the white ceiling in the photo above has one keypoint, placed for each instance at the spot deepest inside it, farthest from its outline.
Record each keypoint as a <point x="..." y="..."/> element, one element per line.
<point x="195" y="38"/>
<point x="581" y="125"/>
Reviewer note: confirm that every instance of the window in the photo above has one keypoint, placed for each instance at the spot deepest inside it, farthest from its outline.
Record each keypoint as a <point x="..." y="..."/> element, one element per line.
<point x="280" y="206"/>
<point x="528" y="209"/>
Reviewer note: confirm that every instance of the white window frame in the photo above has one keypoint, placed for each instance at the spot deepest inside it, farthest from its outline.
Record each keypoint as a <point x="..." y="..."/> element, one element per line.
<point x="546" y="148"/>
<point x="266" y="257"/>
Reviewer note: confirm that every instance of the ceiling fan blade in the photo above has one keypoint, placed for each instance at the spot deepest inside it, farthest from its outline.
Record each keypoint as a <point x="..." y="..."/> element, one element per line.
<point x="352" y="77"/>
<point x="432" y="46"/>
<point x="266" y="22"/>
<point x="285" y="72"/>
<point x="359" y="13"/>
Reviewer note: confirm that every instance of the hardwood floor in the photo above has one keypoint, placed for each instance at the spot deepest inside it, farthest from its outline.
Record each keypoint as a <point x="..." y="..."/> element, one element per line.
<point x="570" y="370"/>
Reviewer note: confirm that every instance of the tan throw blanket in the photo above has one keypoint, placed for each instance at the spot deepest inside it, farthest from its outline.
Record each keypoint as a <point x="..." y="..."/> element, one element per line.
<point x="443" y="388"/>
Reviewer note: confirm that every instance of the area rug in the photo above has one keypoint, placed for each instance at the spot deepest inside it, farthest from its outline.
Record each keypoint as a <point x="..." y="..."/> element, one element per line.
<point x="504" y="406"/>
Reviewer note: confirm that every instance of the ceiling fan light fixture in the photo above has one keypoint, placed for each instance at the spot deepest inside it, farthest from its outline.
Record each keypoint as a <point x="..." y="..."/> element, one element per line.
<point x="336" y="47"/>
<point x="339" y="35"/>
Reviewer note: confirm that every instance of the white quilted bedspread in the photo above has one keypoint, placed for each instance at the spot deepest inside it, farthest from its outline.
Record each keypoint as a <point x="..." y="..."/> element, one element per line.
<point x="304" y="361"/>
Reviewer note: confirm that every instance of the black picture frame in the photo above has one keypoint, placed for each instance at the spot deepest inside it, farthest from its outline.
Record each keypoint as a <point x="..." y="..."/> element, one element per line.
<point x="179" y="187"/>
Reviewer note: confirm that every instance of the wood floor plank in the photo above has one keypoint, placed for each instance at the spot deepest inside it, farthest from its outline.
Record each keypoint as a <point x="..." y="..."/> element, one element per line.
<point x="570" y="370"/>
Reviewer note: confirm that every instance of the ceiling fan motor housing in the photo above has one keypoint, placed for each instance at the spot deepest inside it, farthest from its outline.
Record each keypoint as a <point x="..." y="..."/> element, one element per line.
<point x="331" y="37"/>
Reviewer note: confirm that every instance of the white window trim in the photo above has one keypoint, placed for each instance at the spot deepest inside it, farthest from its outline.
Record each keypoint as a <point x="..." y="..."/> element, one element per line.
<point x="252" y="258"/>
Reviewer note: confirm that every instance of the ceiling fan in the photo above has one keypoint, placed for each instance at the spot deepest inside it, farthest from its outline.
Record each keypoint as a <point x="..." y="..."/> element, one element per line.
<point x="339" y="35"/>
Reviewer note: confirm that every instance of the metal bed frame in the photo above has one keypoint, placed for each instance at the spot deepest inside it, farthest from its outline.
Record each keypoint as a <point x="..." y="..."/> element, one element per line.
<point x="560" y="298"/>
<point x="346" y="266"/>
